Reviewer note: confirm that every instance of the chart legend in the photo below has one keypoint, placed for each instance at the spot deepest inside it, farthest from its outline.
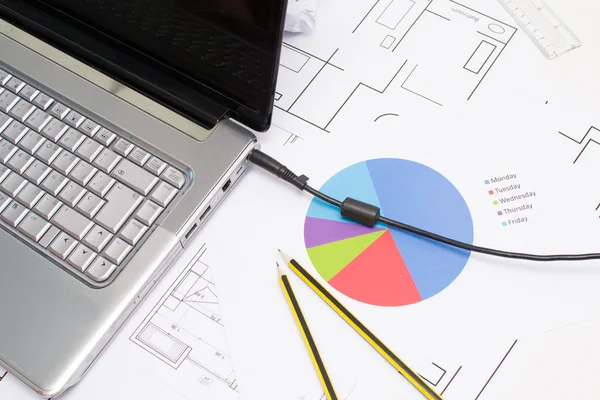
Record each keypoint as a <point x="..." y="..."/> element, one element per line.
<point x="382" y="266"/>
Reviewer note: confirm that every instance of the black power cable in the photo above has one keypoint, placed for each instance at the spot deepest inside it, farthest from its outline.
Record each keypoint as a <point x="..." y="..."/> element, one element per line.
<point x="367" y="214"/>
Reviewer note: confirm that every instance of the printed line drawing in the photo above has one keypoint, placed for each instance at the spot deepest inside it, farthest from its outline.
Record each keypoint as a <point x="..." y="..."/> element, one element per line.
<point x="3" y="374"/>
<point x="386" y="115"/>
<point x="438" y="370"/>
<point x="184" y="330"/>
<point x="455" y="47"/>
<point x="388" y="42"/>
<point x="394" y="13"/>
<point x="497" y="368"/>
<point x="587" y="138"/>
<point x="480" y="57"/>
<point x="451" y="380"/>
<point x="414" y="92"/>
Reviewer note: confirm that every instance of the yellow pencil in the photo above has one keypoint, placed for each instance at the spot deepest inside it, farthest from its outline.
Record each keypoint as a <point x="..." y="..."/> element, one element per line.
<point x="414" y="378"/>
<point x="307" y="336"/>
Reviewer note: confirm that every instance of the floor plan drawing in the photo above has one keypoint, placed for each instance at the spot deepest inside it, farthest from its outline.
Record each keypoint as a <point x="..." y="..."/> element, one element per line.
<point x="470" y="377"/>
<point x="185" y="332"/>
<point x="387" y="53"/>
<point x="591" y="140"/>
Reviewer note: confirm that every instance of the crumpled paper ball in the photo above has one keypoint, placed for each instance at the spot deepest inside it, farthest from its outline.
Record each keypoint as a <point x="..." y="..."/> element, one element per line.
<point x="301" y="15"/>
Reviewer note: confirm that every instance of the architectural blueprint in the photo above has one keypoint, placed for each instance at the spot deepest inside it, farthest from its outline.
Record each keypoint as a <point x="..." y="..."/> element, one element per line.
<point x="185" y="331"/>
<point x="432" y="53"/>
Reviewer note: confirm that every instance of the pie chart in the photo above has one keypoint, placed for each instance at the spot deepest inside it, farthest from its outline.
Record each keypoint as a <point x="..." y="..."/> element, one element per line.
<point x="385" y="266"/>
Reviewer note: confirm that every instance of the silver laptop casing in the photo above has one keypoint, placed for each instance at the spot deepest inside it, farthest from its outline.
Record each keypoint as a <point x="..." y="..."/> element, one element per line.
<point x="52" y="325"/>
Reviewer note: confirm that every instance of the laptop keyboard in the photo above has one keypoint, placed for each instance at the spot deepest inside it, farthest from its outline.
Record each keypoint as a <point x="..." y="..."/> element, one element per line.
<point x="73" y="189"/>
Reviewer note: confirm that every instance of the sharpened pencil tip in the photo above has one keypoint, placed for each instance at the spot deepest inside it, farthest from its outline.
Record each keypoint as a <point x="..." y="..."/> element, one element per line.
<point x="285" y="257"/>
<point x="279" y="250"/>
<point x="280" y="270"/>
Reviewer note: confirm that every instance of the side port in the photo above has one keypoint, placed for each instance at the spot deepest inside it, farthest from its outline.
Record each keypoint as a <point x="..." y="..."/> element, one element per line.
<point x="226" y="186"/>
<point x="205" y="213"/>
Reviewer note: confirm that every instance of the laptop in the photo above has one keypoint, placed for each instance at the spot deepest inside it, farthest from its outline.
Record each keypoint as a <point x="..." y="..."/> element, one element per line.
<point x="123" y="125"/>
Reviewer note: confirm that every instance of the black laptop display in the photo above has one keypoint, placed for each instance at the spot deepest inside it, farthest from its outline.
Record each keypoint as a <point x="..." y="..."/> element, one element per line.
<point x="217" y="55"/>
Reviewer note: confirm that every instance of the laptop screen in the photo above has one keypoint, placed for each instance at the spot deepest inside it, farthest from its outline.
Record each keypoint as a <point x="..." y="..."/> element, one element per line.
<point x="226" y="47"/>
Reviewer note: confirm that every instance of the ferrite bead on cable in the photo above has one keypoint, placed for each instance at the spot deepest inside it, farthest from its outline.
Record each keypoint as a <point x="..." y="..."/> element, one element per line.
<point x="359" y="211"/>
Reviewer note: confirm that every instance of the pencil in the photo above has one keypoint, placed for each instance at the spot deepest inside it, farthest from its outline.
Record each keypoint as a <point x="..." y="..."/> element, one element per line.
<point x="307" y="336"/>
<point x="414" y="378"/>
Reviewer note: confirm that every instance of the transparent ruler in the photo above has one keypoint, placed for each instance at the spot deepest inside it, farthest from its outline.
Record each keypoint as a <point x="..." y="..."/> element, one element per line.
<point x="542" y="26"/>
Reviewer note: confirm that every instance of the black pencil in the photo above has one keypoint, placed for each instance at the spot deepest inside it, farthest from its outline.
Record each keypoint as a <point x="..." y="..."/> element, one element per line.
<point x="307" y="336"/>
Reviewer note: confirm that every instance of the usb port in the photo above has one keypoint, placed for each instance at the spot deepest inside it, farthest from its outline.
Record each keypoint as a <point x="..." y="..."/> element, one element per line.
<point x="226" y="185"/>
<point x="205" y="213"/>
<point x="191" y="231"/>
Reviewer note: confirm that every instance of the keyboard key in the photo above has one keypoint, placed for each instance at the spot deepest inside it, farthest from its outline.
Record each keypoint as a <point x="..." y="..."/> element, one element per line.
<point x="107" y="160"/>
<point x="14" y="84"/>
<point x="29" y="93"/>
<point x="33" y="226"/>
<point x="13" y="184"/>
<point x="72" y="222"/>
<point x="4" y="77"/>
<point x="139" y="156"/>
<point x="134" y="176"/>
<point x="4" y="201"/>
<point x="100" y="270"/>
<point x="48" y="152"/>
<point x="90" y="205"/>
<point x="54" y="183"/>
<point x="49" y="236"/>
<point x="101" y="184"/>
<point x="5" y="121"/>
<point x="148" y="212"/>
<point x="54" y="130"/>
<point x="43" y="101"/>
<point x="4" y="172"/>
<point x="123" y="147"/>
<point x="59" y="110"/>
<point x="30" y="195"/>
<point x="65" y="162"/>
<point x="37" y="172"/>
<point x="47" y="206"/>
<point x="133" y="232"/>
<point x="89" y="127"/>
<point x="22" y="110"/>
<point x="105" y="136"/>
<point x="174" y="177"/>
<point x="14" y="132"/>
<point x="71" y="194"/>
<point x="74" y="119"/>
<point x="71" y="139"/>
<point x="82" y="173"/>
<point x="31" y="142"/>
<point x="98" y="238"/>
<point x="63" y="245"/>
<point x="89" y="150"/>
<point x="163" y="194"/>
<point x="7" y="150"/>
<point x="121" y="203"/>
<point x="117" y="251"/>
<point x="81" y="258"/>
<point x="13" y="214"/>
<point x="38" y="120"/>
<point x="7" y="101"/>
<point x="20" y="161"/>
